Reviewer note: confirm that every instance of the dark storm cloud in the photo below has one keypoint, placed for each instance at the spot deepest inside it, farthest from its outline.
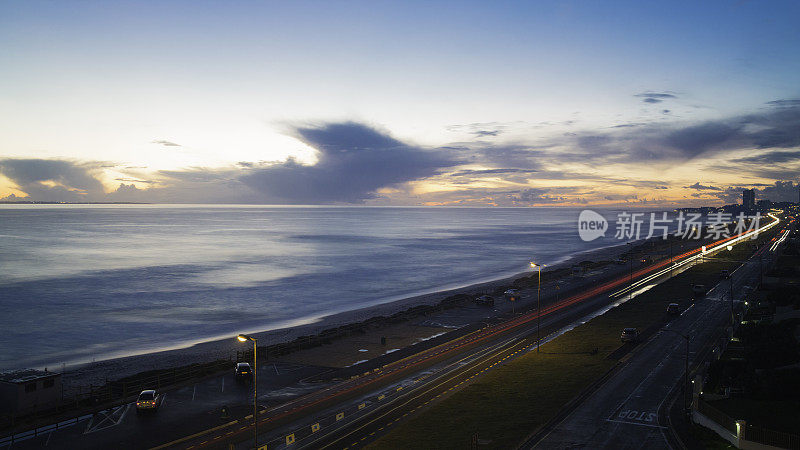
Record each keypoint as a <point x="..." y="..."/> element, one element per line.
<point x="655" y="97"/>
<point x="701" y="187"/>
<point x="353" y="162"/>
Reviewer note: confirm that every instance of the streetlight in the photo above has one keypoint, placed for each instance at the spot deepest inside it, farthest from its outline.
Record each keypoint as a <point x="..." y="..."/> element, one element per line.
<point x="245" y="338"/>
<point x="538" y="303"/>
<point x="686" y="368"/>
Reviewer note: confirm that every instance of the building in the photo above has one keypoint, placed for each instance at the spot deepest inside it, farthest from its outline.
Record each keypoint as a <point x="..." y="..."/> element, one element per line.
<point x="28" y="390"/>
<point x="764" y="204"/>
<point x="749" y="199"/>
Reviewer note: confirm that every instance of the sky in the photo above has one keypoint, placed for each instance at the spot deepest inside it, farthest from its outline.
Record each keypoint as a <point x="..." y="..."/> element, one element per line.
<point x="557" y="103"/>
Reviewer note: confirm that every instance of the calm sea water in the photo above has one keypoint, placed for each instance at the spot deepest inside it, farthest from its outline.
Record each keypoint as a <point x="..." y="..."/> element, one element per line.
<point x="79" y="282"/>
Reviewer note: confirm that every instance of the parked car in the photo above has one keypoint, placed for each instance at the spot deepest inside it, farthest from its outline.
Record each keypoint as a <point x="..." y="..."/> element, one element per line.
<point x="629" y="335"/>
<point x="699" y="290"/>
<point x="485" y="300"/>
<point x="725" y="274"/>
<point x="512" y="294"/>
<point x="243" y="372"/>
<point x="673" y="308"/>
<point x="148" y="400"/>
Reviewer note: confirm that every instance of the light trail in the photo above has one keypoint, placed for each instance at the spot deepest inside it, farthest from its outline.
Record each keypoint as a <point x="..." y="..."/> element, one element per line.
<point x="779" y="241"/>
<point x="709" y="250"/>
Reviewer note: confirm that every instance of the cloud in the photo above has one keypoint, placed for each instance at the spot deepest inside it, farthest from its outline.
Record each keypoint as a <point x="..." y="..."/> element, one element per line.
<point x="700" y="187"/>
<point x="785" y="103"/>
<point x="780" y="191"/>
<point x="772" y="127"/>
<point x="483" y="129"/>
<point x="165" y="143"/>
<point x="486" y="133"/>
<point x="534" y="196"/>
<point x="770" y="158"/>
<point x="353" y="162"/>
<point x="54" y="180"/>
<point x="471" y="172"/>
<point x="655" y="97"/>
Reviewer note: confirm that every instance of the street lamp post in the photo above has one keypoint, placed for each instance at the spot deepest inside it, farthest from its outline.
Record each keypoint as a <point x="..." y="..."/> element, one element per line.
<point x="538" y="304"/>
<point x="686" y="385"/>
<point x="245" y="338"/>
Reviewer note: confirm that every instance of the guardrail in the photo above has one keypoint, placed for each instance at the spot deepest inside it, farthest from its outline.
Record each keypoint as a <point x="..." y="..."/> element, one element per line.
<point x="90" y="400"/>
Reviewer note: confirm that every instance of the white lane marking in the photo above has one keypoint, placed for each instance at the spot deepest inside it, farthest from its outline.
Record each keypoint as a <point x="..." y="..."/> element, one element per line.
<point x="194" y="391"/>
<point x="49" y="435"/>
<point x="635" y="423"/>
<point x="116" y="417"/>
<point x="223" y="384"/>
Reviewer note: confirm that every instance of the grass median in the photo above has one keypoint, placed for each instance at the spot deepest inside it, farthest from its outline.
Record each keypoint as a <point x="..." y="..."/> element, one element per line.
<point x="507" y="404"/>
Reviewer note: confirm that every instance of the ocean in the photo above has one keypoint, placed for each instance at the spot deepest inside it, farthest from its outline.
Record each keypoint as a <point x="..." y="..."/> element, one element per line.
<point x="90" y="282"/>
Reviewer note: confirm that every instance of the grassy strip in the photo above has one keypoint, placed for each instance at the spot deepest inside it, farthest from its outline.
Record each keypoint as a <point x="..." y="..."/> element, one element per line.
<point x="505" y="405"/>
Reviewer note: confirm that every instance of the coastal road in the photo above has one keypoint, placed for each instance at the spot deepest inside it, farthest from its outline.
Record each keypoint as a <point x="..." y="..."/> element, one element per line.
<point x="628" y="410"/>
<point x="460" y="357"/>
<point x="373" y="423"/>
<point x="183" y="411"/>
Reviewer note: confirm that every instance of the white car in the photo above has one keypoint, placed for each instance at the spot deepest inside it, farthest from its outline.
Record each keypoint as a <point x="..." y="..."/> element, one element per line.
<point x="148" y="400"/>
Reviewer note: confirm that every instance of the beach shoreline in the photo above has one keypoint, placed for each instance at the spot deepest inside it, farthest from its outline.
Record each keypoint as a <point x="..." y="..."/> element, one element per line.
<point x="97" y="373"/>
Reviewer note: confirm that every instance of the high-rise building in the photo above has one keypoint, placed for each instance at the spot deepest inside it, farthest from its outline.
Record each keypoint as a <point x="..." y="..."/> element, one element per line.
<point x="749" y="199"/>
